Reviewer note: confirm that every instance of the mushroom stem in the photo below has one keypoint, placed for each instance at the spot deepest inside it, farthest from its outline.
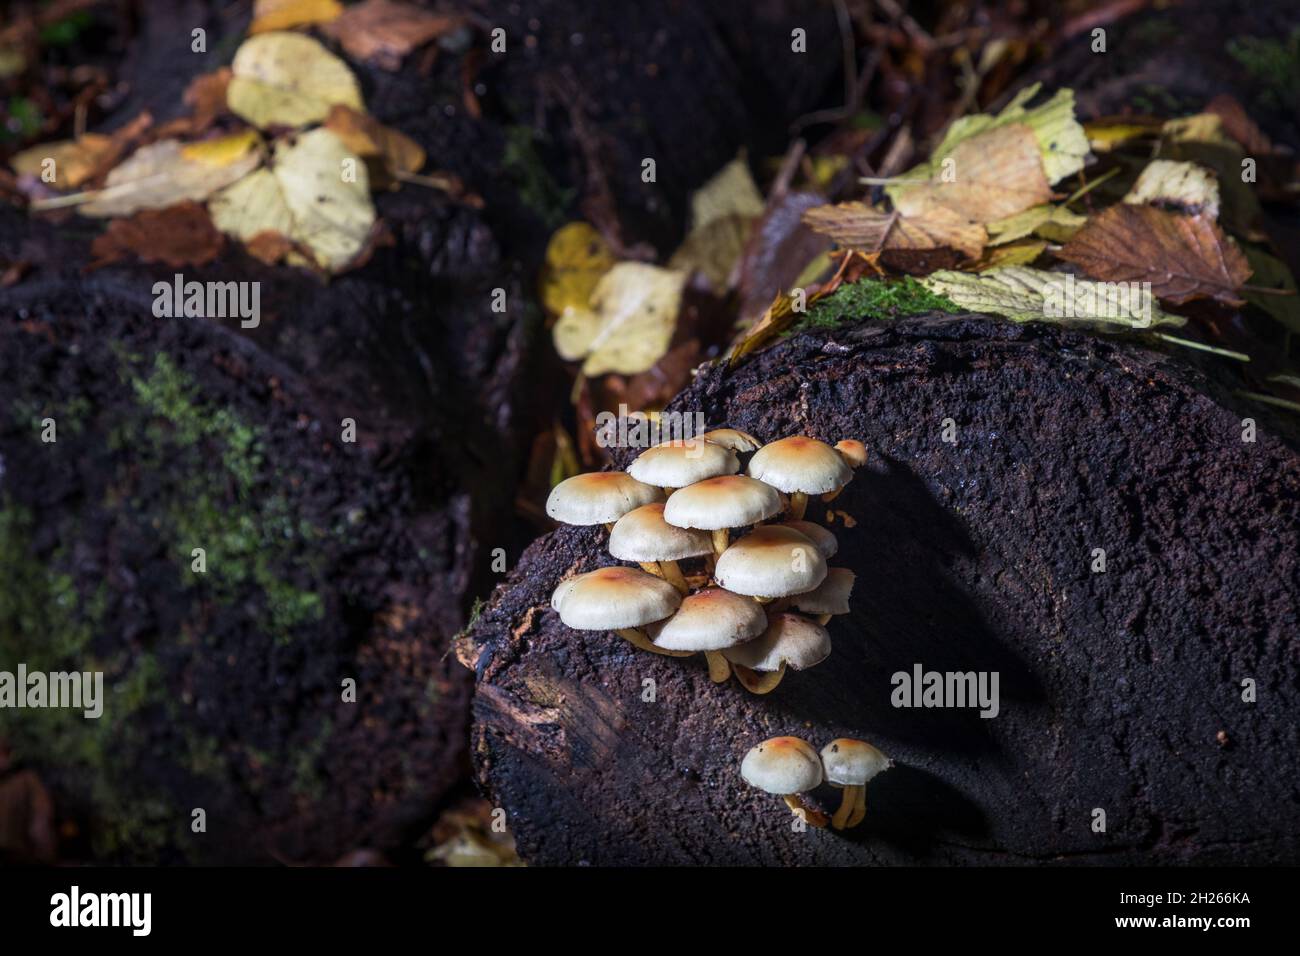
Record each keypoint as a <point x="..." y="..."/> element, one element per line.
<point x="859" y="807"/>
<point x="721" y="539"/>
<point x="814" y="818"/>
<point x="609" y="527"/>
<point x="832" y="495"/>
<point x="848" y="805"/>
<point x="757" y="683"/>
<point x="673" y="575"/>
<point x="822" y="619"/>
<point x="779" y="605"/>
<point x="652" y="567"/>
<point x="719" y="667"/>
<point x="637" y="638"/>
<point x="666" y="490"/>
<point x="798" y="505"/>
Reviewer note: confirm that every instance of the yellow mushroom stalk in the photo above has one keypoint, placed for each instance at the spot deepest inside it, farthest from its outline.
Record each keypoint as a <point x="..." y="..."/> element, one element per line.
<point x="851" y="764"/>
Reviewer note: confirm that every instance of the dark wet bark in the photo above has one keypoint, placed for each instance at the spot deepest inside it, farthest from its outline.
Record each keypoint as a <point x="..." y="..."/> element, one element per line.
<point x="1120" y="690"/>
<point x="386" y="542"/>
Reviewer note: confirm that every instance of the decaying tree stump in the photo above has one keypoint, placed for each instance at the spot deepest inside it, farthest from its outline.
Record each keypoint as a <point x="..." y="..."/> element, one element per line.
<point x="355" y="561"/>
<point x="1120" y="691"/>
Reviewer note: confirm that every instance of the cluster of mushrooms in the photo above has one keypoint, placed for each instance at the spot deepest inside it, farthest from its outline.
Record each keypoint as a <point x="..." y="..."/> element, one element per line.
<point x="754" y="605"/>
<point x="788" y="767"/>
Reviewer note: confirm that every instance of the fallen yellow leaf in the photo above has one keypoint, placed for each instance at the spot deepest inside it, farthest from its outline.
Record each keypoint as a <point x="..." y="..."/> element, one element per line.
<point x="303" y="197"/>
<point x="287" y="79"/>
<point x="271" y="15"/>
<point x="160" y="175"/>
<point x="630" y="323"/>
<point x="1056" y="223"/>
<point x="576" y="257"/>
<point x="74" y="159"/>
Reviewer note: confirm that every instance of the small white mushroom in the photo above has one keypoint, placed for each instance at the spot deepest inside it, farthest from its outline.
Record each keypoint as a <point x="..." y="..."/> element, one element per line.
<point x="598" y="497"/>
<point x="711" y="621"/>
<point x="786" y="766"/>
<point x="771" y="562"/>
<point x="740" y="442"/>
<point x="789" y="641"/>
<point x="617" y="599"/>
<point x="675" y="464"/>
<point x="644" y="537"/>
<point x="852" y="764"/>
<point x="720" y="504"/>
<point x="800" y="466"/>
<point x="828" y="598"/>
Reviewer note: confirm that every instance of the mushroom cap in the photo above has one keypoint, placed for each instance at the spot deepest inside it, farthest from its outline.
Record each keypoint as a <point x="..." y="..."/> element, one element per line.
<point x="852" y="451"/>
<point x="729" y="501"/>
<point x="829" y="597"/>
<point x="611" y="598"/>
<point x="598" y="497"/>
<point x="852" y="763"/>
<point x="683" y="462"/>
<point x="710" y="620"/>
<point x="643" y="535"/>
<point x="822" y="538"/>
<point x="789" y="639"/>
<point x="770" y="561"/>
<point x="782" y="765"/>
<point x="802" y="464"/>
<point x="740" y="442"/>
<point x="561" y="589"/>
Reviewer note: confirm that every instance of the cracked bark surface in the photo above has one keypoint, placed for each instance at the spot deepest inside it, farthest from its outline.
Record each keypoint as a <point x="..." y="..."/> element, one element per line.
<point x="974" y="556"/>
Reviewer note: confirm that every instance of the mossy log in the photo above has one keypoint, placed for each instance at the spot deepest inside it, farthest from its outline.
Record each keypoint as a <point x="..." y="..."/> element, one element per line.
<point x="327" y="560"/>
<point x="1120" y="691"/>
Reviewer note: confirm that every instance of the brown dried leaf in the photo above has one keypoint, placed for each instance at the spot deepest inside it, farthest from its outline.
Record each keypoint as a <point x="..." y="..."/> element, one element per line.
<point x="988" y="177"/>
<point x="180" y="235"/>
<point x="858" y="226"/>
<point x="384" y="32"/>
<point x="1183" y="257"/>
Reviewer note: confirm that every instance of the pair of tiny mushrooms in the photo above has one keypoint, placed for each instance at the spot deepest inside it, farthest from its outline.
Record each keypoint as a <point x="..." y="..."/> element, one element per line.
<point x="681" y="501"/>
<point x="789" y="767"/>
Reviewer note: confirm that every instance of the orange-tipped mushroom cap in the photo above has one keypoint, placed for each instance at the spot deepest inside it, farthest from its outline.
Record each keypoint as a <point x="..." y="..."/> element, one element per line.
<point x="598" y="497"/>
<point x="683" y="462"/>
<point x="610" y="598"/>
<point x="730" y="501"/>
<point x="771" y="561"/>
<point x="800" y="464"/>
<point x="644" y="535"/>
<point x="782" y="765"/>
<point x="710" y="620"/>
<point x="852" y="451"/>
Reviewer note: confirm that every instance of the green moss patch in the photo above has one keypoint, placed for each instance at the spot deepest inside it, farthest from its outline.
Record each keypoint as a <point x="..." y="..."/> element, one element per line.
<point x="872" y="299"/>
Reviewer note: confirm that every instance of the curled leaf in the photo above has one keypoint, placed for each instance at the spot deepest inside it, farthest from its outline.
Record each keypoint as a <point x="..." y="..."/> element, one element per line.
<point x="1187" y="187"/>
